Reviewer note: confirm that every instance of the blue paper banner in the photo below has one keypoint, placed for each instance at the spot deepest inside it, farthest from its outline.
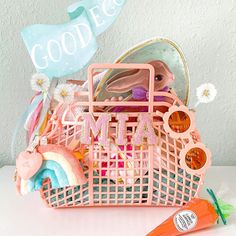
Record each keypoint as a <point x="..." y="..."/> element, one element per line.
<point x="60" y="50"/>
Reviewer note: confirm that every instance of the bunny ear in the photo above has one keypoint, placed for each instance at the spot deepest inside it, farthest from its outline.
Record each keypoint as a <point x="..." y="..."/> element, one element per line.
<point x="161" y="68"/>
<point x="125" y="81"/>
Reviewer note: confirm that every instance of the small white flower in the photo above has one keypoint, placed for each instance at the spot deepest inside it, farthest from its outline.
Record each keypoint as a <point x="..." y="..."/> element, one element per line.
<point x="40" y="82"/>
<point x="64" y="93"/>
<point x="206" y="93"/>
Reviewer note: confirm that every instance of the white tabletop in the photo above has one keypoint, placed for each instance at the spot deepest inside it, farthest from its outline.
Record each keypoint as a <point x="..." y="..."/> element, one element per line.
<point x="28" y="216"/>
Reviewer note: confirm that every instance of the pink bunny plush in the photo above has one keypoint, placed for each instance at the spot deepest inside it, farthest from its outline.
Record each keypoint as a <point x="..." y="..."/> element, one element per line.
<point x="128" y="80"/>
<point x="137" y="81"/>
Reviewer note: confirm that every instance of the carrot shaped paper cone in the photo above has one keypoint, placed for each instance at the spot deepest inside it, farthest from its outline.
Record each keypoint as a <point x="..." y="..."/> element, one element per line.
<point x="195" y="215"/>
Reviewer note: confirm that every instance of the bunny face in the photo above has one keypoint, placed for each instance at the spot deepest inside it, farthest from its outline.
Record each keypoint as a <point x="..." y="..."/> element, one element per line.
<point x="127" y="80"/>
<point x="163" y="76"/>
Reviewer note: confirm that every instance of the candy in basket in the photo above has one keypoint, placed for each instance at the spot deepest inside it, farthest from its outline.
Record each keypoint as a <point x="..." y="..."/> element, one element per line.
<point x="130" y="140"/>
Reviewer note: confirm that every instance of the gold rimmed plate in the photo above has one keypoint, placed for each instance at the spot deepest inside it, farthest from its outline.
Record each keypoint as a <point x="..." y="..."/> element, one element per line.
<point x="154" y="49"/>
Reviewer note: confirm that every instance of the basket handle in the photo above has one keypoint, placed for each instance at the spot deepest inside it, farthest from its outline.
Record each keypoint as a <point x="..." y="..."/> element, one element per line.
<point x="121" y="66"/>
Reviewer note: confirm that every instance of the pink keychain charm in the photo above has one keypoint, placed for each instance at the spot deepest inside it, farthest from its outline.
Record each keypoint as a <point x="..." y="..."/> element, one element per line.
<point x="28" y="163"/>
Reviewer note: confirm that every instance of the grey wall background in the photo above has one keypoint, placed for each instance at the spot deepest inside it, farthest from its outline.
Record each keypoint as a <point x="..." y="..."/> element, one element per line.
<point x="205" y="30"/>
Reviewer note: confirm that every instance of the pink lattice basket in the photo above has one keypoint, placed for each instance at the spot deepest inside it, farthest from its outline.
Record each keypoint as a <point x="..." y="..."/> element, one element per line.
<point x="128" y="175"/>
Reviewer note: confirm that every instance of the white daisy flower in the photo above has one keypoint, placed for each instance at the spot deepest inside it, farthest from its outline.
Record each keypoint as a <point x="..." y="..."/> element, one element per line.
<point x="40" y="82"/>
<point x="64" y="93"/>
<point x="206" y="93"/>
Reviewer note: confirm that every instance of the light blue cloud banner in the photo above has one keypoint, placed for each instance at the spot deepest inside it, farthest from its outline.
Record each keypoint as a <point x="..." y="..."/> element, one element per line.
<point x="60" y="50"/>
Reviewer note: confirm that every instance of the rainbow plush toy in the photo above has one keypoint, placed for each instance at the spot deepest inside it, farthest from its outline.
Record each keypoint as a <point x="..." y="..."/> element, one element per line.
<point x="58" y="164"/>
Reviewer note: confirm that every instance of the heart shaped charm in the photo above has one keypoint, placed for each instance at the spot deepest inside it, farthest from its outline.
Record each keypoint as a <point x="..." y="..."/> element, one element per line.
<point x="28" y="164"/>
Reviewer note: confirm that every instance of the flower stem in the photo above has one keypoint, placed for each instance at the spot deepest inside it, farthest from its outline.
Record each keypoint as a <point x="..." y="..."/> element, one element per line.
<point x="196" y="104"/>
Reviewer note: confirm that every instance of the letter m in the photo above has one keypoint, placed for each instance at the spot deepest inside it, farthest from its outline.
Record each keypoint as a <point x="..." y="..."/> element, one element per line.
<point x="101" y="125"/>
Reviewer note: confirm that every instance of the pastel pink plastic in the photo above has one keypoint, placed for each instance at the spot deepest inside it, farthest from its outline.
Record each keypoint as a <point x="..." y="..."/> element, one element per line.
<point x="146" y="175"/>
<point x="27" y="164"/>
